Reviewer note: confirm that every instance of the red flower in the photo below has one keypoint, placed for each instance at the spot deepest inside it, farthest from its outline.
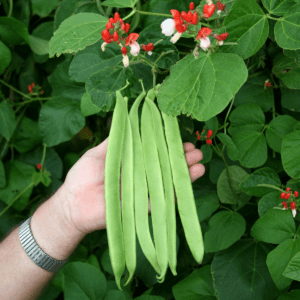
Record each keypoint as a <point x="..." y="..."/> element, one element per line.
<point x="175" y="13"/>
<point x="195" y="18"/>
<point x="107" y="37"/>
<point x="132" y="37"/>
<point x="284" y="205"/>
<point x="220" y="6"/>
<point x="208" y="141"/>
<point x="116" y="17"/>
<point x="109" y="25"/>
<point x="115" y="36"/>
<point x="124" y="50"/>
<point x="222" y="36"/>
<point x="148" y="47"/>
<point x="127" y="27"/>
<point x="296" y="194"/>
<point x="209" y="133"/>
<point x="192" y="6"/>
<point x="39" y="166"/>
<point x="208" y="10"/>
<point x="203" y="33"/>
<point x="293" y="205"/>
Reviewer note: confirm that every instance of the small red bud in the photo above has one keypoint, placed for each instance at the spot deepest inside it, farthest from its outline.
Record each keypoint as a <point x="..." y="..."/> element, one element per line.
<point x="195" y="18"/>
<point x="293" y="205"/>
<point x="39" y="166"/>
<point x="208" y="141"/>
<point x="287" y="196"/>
<point x="208" y="10"/>
<point x="296" y="194"/>
<point x="115" y="36"/>
<point x="123" y="27"/>
<point x="116" y="17"/>
<point x="111" y="20"/>
<point x="175" y="13"/>
<point x="284" y="204"/>
<point x="282" y="195"/>
<point x="197" y="132"/>
<point x="192" y="6"/>
<point x="124" y="50"/>
<point x="288" y="189"/>
<point x="127" y="27"/>
<point x="198" y="137"/>
<point x="209" y="133"/>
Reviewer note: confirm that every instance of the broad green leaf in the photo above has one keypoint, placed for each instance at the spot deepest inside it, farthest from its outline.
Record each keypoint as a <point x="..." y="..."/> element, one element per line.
<point x="274" y="227"/>
<point x="290" y="154"/>
<point x="83" y="281"/>
<point x="277" y="129"/>
<point x="119" y="3"/>
<point x="268" y="201"/>
<point x="202" y="87"/>
<point x="292" y="295"/>
<point x="7" y="119"/>
<point x="246" y="117"/>
<point x="27" y="136"/>
<point x="101" y="86"/>
<point x="2" y="175"/>
<point x="65" y="10"/>
<point x="86" y="64"/>
<point x="228" y="188"/>
<point x="252" y="147"/>
<point x="287" y="29"/>
<point x="232" y="150"/>
<point x="279" y="258"/>
<point x="19" y="177"/>
<point x="278" y="7"/>
<point x="295" y="54"/>
<point x="290" y="99"/>
<point x="253" y="91"/>
<point x="13" y="31"/>
<point x="206" y="205"/>
<point x="247" y="26"/>
<point x="21" y="11"/>
<point x="5" y="57"/>
<point x="216" y="166"/>
<point x="207" y="153"/>
<point x="62" y="85"/>
<point x="240" y="272"/>
<point x="292" y="270"/>
<point x="261" y="176"/>
<point x="39" y="46"/>
<point x="142" y="71"/>
<point x="87" y="106"/>
<point x="43" y="8"/>
<point x="60" y="119"/>
<point x="77" y="32"/>
<point x="196" y="286"/>
<point x="225" y="228"/>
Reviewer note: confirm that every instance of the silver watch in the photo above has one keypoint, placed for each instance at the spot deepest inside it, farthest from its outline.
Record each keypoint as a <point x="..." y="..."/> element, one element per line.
<point x="38" y="256"/>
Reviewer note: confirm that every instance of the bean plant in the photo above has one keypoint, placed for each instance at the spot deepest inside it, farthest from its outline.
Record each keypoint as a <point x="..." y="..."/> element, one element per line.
<point x="223" y="75"/>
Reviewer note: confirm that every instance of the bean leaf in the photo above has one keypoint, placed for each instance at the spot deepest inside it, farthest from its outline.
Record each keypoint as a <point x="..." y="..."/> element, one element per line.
<point x="119" y="3"/>
<point x="278" y="7"/>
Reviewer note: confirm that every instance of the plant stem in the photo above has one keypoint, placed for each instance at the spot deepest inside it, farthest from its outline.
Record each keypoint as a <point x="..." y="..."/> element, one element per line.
<point x="130" y="14"/>
<point x="163" y="54"/>
<point x="17" y="91"/>
<point x="271" y="186"/>
<point x="10" y="8"/>
<point x="152" y="14"/>
<point x="226" y="117"/>
<point x="32" y="100"/>
<point x="269" y="17"/>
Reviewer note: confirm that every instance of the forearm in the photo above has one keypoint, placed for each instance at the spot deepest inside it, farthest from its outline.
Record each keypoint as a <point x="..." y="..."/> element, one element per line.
<point x="20" y="277"/>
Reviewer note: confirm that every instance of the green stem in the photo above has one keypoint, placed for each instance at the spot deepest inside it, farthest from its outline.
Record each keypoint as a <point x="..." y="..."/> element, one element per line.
<point x="154" y="78"/>
<point x="10" y="8"/>
<point x="152" y="14"/>
<point x="129" y="15"/>
<point x="32" y="100"/>
<point x="221" y="206"/>
<point x="17" y="91"/>
<point x="44" y="155"/>
<point x="226" y="117"/>
<point x="157" y="42"/>
<point x="101" y="8"/>
<point x="206" y="25"/>
<point x="271" y="186"/>
<point x="269" y="17"/>
<point x="16" y="198"/>
<point x="163" y="54"/>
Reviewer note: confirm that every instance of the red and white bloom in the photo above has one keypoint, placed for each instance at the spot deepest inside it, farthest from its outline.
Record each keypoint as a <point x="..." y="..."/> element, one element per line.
<point x="285" y="207"/>
<point x="220" y="7"/>
<point x="204" y="39"/>
<point x="293" y="208"/>
<point x="135" y="48"/>
<point x="168" y="27"/>
<point x="221" y="37"/>
<point x="148" y="48"/>
<point x="208" y="10"/>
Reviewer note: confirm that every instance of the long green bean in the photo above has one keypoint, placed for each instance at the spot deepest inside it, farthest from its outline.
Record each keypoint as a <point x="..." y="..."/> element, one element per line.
<point x="140" y="189"/>
<point x="155" y="185"/>
<point x="183" y="188"/>
<point x="112" y="189"/>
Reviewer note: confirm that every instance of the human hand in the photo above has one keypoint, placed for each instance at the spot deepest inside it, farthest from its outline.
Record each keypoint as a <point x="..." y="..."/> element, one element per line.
<point x="82" y="194"/>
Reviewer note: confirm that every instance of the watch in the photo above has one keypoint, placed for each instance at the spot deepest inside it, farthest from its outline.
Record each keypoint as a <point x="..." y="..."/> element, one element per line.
<point x="37" y="255"/>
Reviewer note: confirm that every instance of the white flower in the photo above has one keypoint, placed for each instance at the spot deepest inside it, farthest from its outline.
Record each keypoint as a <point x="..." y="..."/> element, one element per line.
<point x="219" y="12"/>
<point x="294" y="212"/>
<point x="135" y="48"/>
<point x="149" y="52"/>
<point x="176" y="37"/>
<point x="204" y="43"/>
<point x="125" y="60"/>
<point x="103" y="46"/>
<point x="220" y="43"/>
<point x="168" y="27"/>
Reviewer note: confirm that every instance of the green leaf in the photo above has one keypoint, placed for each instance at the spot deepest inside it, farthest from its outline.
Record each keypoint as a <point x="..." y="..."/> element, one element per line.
<point x="13" y="31"/>
<point x="207" y="205"/>
<point x="268" y="202"/>
<point x="216" y="166"/>
<point x="39" y="46"/>
<point x="278" y="7"/>
<point x="2" y="175"/>
<point x="246" y="117"/>
<point x="275" y="226"/>
<point x="232" y="150"/>
<point x="287" y="29"/>
<point x="290" y="154"/>
<point x="5" y="57"/>
<point x="83" y="281"/>
<point x="290" y="99"/>
<point x="247" y="26"/>
<point x="196" y="286"/>
<point x="252" y="147"/>
<point x="240" y="272"/>
<point x="7" y="120"/>
<point x="119" y="3"/>
<point x="61" y="84"/>
<point x="37" y="178"/>
<point x="60" y="119"/>
<point x="43" y="8"/>
<point x="202" y="87"/>
<point x="254" y="91"/>
<point x="292" y="270"/>
<point x="277" y="129"/>
<point x="279" y="258"/>
<point x="19" y="177"/>
<point x="292" y="295"/>
<point x="87" y="106"/>
<point x="261" y="176"/>
<point x="225" y="228"/>
<point x="228" y="188"/>
<point x="76" y="32"/>
<point x="207" y="153"/>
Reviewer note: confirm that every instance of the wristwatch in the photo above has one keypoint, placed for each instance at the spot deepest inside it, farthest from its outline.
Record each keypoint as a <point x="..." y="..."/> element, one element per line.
<point x="37" y="255"/>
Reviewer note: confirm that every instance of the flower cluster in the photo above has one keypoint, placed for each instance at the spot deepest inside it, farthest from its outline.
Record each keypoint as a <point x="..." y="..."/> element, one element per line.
<point x="203" y="136"/>
<point x="181" y="22"/>
<point x="267" y="83"/>
<point x="32" y="88"/>
<point x="115" y="31"/>
<point x="285" y="196"/>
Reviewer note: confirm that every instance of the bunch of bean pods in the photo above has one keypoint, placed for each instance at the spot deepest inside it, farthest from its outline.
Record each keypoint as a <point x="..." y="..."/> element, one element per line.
<point x="152" y="161"/>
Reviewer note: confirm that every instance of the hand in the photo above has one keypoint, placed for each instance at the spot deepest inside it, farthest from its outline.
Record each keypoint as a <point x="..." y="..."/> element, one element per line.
<point x="82" y="194"/>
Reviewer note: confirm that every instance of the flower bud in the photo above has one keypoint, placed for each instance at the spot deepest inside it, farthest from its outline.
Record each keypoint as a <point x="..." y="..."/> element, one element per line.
<point x="124" y="50"/>
<point x="205" y="43"/>
<point x="176" y="37"/>
<point x="103" y="46"/>
<point x="192" y="6"/>
<point x="125" y="60"/>
<point x="115" y="36"/>
<point x="135" y="48"/>
<point x="168" y="27"/>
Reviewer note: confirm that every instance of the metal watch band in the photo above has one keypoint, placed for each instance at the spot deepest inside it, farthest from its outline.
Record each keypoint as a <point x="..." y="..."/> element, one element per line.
<point x="38" y="256"/>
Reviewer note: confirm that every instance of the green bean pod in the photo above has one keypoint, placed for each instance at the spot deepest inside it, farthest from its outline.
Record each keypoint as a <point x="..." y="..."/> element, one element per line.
<point x="168" y="184"/>
<point x="140" y="189"/>
<point x="112" y="189"/>
<point x="128" y="199"/>
<point x="155" y="185"/>
<point x="183" y="188"/>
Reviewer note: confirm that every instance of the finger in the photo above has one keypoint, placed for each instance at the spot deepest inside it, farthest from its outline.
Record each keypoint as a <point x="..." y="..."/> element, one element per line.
<point x="98" y="151"/>
<point x="193" y="157"/>
<point x="188" y="147"/>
